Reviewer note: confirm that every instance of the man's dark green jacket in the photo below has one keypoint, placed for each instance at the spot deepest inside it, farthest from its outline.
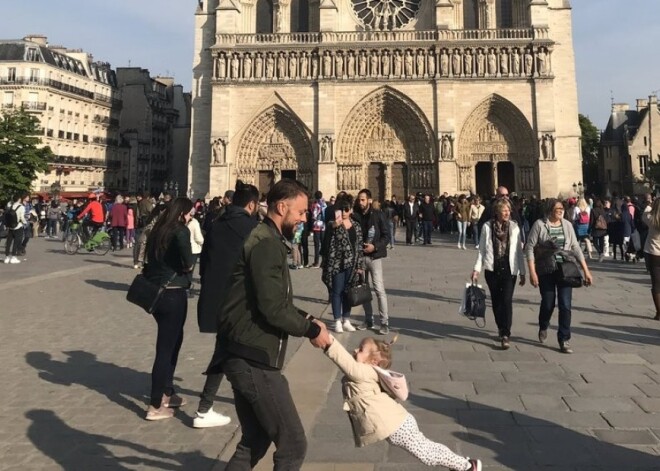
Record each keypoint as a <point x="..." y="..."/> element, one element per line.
<point x="258" y="314"/>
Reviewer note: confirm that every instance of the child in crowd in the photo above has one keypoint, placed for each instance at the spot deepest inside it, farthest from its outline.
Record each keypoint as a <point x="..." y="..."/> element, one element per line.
<point x="376" y="416"/>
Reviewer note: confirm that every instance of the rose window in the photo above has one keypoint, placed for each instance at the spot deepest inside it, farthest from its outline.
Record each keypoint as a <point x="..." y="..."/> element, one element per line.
<point x="386" y="14"/>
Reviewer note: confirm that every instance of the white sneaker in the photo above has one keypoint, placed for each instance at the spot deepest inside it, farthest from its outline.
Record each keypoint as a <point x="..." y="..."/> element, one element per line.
<point x="458" y="245"/>
<point x="476" y="247"/>
<point x="348" y="327"/>
<point x="338" y="327"/>
<point x="464" y="248"/>
<point x="7" y="259"/>
<point x="14" y="260"/>
<point x="210" y="419"/>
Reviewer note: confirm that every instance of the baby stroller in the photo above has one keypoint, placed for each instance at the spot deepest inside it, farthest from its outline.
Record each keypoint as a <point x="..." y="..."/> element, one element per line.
<point x="634" y="250"/>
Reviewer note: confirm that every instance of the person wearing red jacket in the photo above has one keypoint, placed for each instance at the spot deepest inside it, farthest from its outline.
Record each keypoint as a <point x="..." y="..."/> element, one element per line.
<point x="118" y="222"/>
<point x="96" y="217"/>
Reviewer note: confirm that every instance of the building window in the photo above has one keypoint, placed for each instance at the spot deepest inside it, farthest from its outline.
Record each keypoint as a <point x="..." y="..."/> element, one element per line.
<point x="645" y="142"/>
<point x="34" y="75"/>
<point x="32" y="54"/>
<point x="11" y="74"/>
<point x="8" y="100"/>
<point x="643" y="164"/>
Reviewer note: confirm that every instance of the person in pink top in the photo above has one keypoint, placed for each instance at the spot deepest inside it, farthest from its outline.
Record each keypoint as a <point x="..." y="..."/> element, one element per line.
<point x="118" y="222"/>
<point x="130" y="228"/>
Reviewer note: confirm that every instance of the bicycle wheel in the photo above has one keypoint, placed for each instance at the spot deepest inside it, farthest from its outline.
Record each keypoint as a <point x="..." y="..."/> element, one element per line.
<point x="102" y="246"/>
<point x="72" y="243"/>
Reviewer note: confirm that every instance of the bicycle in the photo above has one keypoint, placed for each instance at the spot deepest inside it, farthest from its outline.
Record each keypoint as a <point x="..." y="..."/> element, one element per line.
<point x="99" y="243"/>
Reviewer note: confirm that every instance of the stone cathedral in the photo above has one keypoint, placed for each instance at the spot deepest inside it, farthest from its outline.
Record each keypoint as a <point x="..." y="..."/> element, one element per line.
<point x="400" y="96"/>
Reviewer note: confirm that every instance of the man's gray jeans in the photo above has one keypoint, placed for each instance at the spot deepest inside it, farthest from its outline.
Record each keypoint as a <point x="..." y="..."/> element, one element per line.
<point x="374" y="270"/>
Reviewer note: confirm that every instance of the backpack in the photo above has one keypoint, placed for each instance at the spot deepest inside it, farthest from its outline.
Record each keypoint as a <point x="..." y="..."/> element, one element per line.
<point x="583" y="218"/>
<point x="601" y="223"/>
<point x="10" y="217"/>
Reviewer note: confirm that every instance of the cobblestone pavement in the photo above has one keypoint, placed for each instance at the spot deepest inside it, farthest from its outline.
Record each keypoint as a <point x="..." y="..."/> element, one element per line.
<point x="77" y="359"/>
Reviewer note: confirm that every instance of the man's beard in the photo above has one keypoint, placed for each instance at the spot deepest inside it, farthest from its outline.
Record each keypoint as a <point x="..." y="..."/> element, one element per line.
<point x="287" y="230"/>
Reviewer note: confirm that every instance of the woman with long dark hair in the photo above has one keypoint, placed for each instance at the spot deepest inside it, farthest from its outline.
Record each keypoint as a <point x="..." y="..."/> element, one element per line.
<point x="169" y="263"/>
<point x="651" y="217"/>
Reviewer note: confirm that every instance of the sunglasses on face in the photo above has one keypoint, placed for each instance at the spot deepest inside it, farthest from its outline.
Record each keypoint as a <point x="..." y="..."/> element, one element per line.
<point x="345" y="209"/>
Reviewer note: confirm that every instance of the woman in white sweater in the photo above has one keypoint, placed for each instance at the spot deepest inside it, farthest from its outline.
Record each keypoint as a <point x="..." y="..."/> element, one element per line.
<point x="501" y="255"/>
<point x="196" y="242"/>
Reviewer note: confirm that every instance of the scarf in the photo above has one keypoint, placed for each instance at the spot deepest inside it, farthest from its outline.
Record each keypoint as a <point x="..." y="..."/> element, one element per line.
<point x="500" y="238"/>
<point x="341" y="255"/>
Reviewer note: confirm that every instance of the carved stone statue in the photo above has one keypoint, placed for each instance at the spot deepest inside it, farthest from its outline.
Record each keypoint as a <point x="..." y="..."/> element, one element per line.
<point x="456" y="62"/>
<point x="277" y="171"/>
<point x="444" y="63"/>
<point x="219" y="148"/>
<point x="315" y="65"/>
<point x="327" y="64"/>
<point x="529" y="63"/>
<point x="515" y="62"/>
<point x="234" y="66"/>
<point x="326" y="149"/>
<point x="547" y="151"/>
<point x="270" y="65"/>
<point x="362" y="65"/>
<point x="303" y="65"/>
<point x="386" y="64"/>
<point x="492" y="63"/>
<point x="278" y="20"/>
<point x="281" y="66"/>
<point x="398" y="62"/>
<point x="374" y="64"/>
<point x="504" y="62"/>
<point x="258" y="66"/>
<point x="293" y="66"/>
<point x="350" y="65"/>
<point x="446" y="148"/>
<point x="247" y="66"/>
<point x="481" y="63"/>
<point x="542" y="59"/>
<point x="467" y="63"/>
<point x="409" y="64"/>
<point x="421" y="59"/>
<point x="431" y="64"/>
<point x="339" y="65"/>
<point x="222" y="66"/>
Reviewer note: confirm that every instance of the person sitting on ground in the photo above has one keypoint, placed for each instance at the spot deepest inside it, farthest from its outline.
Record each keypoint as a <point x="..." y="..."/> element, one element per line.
<point x="376" y="416"/>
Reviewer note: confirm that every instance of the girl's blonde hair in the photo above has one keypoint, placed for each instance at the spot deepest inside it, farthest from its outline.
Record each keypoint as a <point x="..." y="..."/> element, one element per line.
<point x="655" y="214"/>
<point x="582" y="204"/>
<point x="384" y="354"/>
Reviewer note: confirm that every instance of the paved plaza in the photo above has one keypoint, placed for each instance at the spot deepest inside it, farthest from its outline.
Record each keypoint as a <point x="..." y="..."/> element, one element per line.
<point x="77" y="358"/>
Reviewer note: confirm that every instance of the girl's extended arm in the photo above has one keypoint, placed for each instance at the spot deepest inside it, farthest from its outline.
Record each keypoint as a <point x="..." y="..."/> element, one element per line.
<point x="352" y="369"/>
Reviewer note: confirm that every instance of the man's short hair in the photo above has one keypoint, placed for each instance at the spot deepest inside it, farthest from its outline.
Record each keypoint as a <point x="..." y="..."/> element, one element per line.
<point x="318" y="195"/>
<point x="245" y="194"/>
<point x="366" y="191"/>
<point x="285" y="189"/>
<point x="229" y="194"/>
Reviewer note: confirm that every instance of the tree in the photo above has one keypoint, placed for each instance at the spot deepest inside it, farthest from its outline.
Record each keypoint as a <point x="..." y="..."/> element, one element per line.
<point x="21" y="154"/>
<point x="590" y="145"/>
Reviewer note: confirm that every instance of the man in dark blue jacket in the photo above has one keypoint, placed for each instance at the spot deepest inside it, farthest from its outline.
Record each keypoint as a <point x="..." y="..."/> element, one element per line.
<point x="376" y="236"/>
<point x="220" y="252"/>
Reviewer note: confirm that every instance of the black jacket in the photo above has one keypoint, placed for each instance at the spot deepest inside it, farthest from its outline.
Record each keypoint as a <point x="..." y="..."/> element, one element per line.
<point x="407" y="214"/>
<point x="374" y="219"/>
<point x="220" y="252"/>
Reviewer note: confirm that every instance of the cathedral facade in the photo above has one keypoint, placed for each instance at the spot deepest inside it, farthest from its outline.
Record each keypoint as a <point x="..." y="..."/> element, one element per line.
<point x="400" y="96"/>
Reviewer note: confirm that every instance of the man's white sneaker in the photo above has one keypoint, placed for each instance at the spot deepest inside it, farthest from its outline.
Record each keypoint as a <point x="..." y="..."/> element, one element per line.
<point x="7" y="259"/>
<point x="338" y="327"/>
<point x="210" y="419"/>
<point x="348" y="327"/>
<point x="14" y="260"/>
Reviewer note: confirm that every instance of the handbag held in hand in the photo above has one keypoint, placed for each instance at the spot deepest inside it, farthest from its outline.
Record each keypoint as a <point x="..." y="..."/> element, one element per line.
<point x="474" y="304"/>
<point x="359" y="294"/>
<point x="145" y="293"/>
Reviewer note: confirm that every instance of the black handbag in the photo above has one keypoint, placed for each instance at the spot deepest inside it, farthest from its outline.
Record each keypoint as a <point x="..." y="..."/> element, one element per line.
<point x="568" y="274"/>
<point x="360" y="293"/>
<point x="475" y="304"/>
<point x="145" y="293"/>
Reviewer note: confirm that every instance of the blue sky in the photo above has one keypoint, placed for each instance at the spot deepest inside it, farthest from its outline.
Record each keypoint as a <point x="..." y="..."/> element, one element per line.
<point x="614" y="40"/>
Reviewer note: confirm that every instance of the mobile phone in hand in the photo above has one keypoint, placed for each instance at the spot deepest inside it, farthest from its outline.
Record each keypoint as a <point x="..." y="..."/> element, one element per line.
<point x="338" y="216"/>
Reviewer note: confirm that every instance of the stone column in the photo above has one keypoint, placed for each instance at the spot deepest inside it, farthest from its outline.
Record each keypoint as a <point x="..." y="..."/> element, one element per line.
<point x="227" y="17"/>
<point x="328" y="13"/>
<point x="458" y="14"/>
<point x="444" y="15"/>
<point x="538" y="13"/>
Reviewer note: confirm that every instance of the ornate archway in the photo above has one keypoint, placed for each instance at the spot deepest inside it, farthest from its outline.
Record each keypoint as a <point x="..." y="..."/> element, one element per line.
<point x="276" y="142"/>
<point x="498" y="136"/>
<point x="386" y="129"/>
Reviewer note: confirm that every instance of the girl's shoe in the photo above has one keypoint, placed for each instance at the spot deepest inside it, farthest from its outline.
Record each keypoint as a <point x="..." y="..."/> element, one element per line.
<point x="476" y="465"/>
<point x="161" y="413"/>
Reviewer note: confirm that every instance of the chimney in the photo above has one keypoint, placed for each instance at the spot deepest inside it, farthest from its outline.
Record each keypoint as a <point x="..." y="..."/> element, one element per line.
<point x="620" y="107"/>
<point x="642" y="104"/>
<point x="653" y="100"/>
<point x="37" y="38"/>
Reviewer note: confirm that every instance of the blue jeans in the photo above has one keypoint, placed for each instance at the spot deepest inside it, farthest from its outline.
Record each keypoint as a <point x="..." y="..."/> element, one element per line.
<point x="462" y="231"/>
<point x="340" y="306"/>
<point x="549" y="294"/>
<point x="475" y="233"/>
<point x="267" y="414"/>
<point x="428" y="230"/>
<point x="392" y="232"/>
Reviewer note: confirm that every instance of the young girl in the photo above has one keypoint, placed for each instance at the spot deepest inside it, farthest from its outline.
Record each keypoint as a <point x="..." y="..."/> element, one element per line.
<point x="376" y="416"/>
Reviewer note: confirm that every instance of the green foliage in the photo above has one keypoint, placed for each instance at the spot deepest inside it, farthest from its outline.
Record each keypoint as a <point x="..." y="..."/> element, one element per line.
<point x="590" y="145"/>
<point x="21" y="154"/>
